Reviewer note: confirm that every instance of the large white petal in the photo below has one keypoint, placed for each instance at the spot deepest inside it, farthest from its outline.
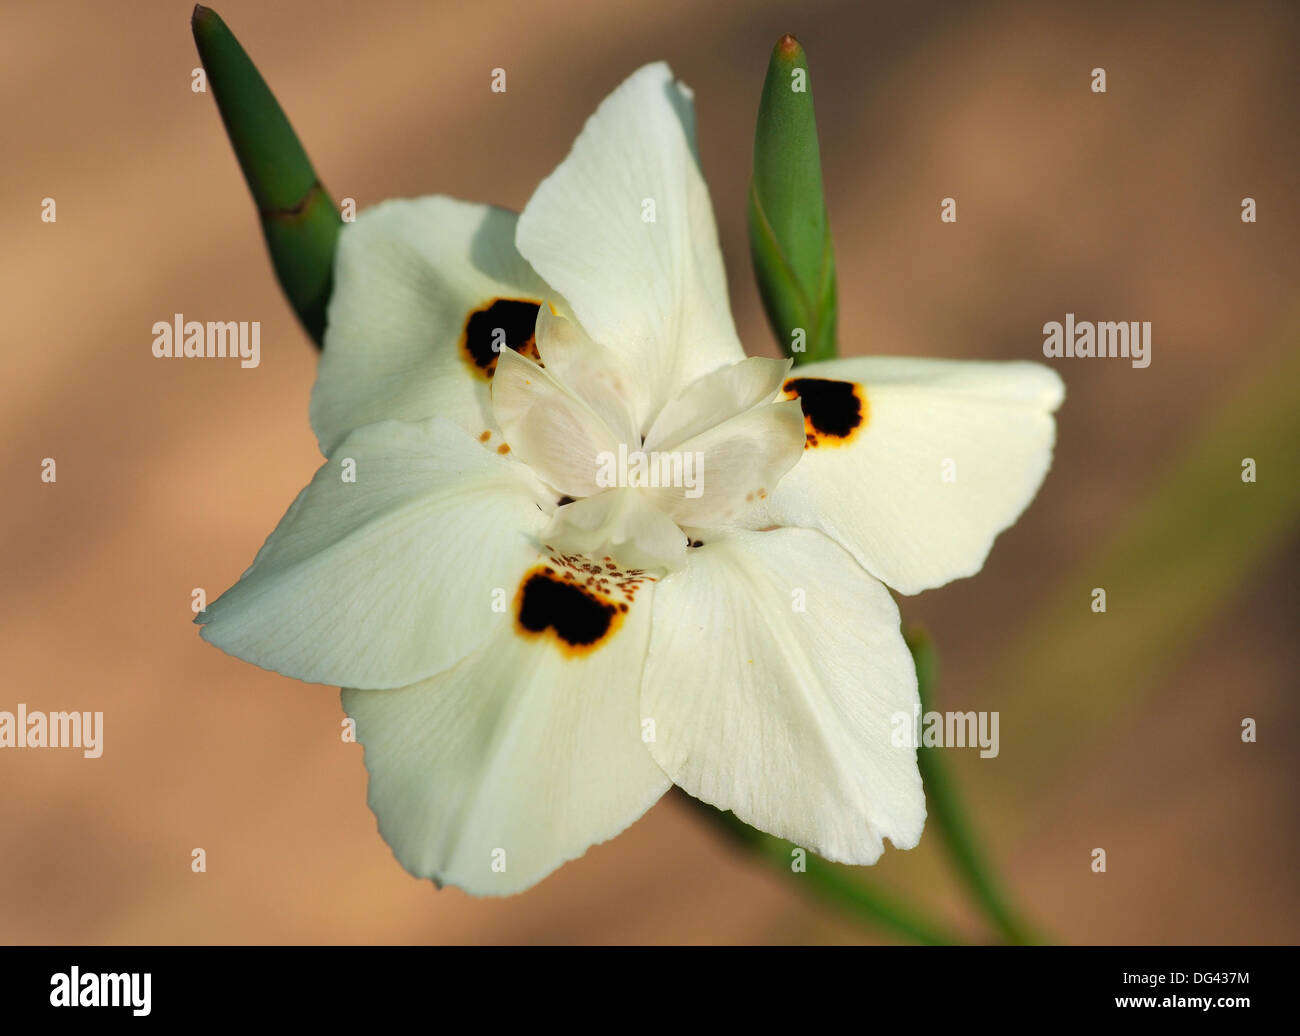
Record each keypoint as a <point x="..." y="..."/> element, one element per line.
<point x="408" y="277"/>
<point x="383" y="581"/>
<point x="777" y="678"/>
<point x="942" y="457"/>
<point x="655" y="292"/>
<point x="523" y="755"/>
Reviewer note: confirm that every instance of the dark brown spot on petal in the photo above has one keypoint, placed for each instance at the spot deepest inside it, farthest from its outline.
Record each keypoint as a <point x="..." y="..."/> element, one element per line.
<point x="833" y="411"/>
<point x="498" y="324"/>
<point x="579" y="619"/>
<point x="504" y="448"/>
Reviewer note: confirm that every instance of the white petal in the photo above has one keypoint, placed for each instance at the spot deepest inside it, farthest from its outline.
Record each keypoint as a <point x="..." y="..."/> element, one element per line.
<point x="736" y="465"/>
<point x="784" y="716"/>
<point x="520" y="757"/>
<point x="622" y="523"/>
<point x="946" y="456"/>
<point x="548" y="427"/>
<point x="408" y="276"/>
<point x="382" y="581"/>
<point x="714" y="398"/>
<point x="591" y="372"/>
<point x="653" y="291"/>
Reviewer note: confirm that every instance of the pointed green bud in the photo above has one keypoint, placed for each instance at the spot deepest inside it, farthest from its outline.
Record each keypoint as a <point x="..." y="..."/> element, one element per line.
<point x="789" y="234"/>
<point x="299" y="221"/>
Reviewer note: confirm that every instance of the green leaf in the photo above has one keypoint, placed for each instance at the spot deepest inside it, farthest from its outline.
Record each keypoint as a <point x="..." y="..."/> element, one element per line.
<point x="789" y="233"/>
<point x="299" y="221"/>
<point x="1170" y="569"/>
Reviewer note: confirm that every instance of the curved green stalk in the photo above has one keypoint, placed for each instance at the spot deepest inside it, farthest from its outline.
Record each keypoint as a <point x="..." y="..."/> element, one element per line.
<point x="948" y="816"/>
<point x="829" y="882"/>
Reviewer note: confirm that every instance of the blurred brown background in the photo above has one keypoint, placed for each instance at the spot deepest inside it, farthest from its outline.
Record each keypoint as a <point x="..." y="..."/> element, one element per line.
<point x="1121" y="206"/>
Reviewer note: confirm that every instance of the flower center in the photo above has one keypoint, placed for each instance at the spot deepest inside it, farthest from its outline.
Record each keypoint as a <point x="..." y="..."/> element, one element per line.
<point x="642" y="486"/>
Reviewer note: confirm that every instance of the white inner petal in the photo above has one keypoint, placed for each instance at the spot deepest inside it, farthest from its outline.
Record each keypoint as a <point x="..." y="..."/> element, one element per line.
<point x="621" y="523"/>
<point x="713" y="453"/>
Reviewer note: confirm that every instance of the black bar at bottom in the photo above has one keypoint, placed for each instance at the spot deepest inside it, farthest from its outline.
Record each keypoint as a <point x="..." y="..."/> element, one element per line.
<point x="143" y="985"/>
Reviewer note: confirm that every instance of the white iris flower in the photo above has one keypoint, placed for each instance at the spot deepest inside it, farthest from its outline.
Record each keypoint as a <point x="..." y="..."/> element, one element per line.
<point x="533" y="656"/>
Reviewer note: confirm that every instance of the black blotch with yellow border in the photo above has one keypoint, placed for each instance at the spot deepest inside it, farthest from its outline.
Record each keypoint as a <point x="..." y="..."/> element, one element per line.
<point x="517" y="321"/>
<point x="578" y="618"/>
<point x="833" y="411"/>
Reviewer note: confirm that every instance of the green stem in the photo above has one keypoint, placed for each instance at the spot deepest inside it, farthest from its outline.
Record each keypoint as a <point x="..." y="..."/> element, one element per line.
<point x="829" y="882"/>
<point x="948" y="815"/>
